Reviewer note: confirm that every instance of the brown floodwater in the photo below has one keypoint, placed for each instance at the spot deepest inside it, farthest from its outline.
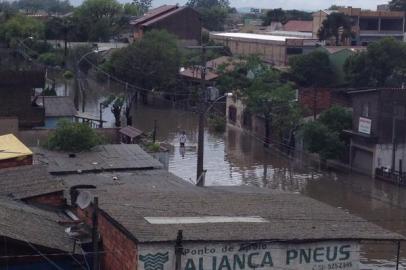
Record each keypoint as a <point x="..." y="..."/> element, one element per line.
<point x="237" y="158"/>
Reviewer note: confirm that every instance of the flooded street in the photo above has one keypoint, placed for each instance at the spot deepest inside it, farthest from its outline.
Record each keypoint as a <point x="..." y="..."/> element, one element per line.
<point x="237" y="158"/>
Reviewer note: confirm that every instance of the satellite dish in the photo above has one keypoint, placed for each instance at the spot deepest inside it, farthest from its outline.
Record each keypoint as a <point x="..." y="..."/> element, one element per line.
<point x="83" y="200"/>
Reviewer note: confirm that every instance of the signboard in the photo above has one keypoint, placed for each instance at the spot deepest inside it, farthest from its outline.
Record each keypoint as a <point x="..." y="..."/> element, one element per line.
<point x="364" y="125"/>
<point x="264" y="256"/>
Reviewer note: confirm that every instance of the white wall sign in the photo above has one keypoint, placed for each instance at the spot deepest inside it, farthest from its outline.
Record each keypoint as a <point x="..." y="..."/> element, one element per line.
<point x="264" y="256"/>
<point x="364" y="125"/>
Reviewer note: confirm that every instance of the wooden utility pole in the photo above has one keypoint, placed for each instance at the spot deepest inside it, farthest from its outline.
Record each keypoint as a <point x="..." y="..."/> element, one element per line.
<point x="95" y="234"/>
<point x="202" y="113"/>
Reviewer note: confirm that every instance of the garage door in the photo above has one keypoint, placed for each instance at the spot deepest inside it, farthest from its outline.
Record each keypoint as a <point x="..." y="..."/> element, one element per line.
<point x="362" y="161"/>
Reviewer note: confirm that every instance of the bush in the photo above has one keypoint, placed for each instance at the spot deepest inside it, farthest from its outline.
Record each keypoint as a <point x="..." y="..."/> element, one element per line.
<point x="153" y="147"/>
<point x="51" y="59"/>
<point x="74" y="137"/>
<point x="217" y="123"/>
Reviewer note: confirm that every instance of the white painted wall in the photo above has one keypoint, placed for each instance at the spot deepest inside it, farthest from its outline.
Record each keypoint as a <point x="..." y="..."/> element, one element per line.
<point x="383" y="156"/>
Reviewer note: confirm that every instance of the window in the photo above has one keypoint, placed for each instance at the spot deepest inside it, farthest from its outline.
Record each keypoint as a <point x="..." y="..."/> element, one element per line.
<point x="365" y="110"/>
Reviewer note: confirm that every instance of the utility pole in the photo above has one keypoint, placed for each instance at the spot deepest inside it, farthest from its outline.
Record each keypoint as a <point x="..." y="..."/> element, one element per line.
<point x="154" y="132"/>
<point x="178" y="250"/>
<point x="202" y="111"/>
<point x="95" y="234"/>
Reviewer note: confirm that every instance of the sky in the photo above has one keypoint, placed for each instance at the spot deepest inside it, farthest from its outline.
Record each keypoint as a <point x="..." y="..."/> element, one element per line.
<point x="309" y="5"/>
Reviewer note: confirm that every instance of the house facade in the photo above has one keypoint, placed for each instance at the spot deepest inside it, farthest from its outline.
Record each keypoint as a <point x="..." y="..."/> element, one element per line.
<point x="183" y="22"/>
<point x="378" y="136"/>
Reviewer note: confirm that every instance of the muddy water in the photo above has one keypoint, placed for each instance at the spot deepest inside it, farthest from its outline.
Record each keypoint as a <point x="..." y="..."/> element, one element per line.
<point x="236" y="158"/>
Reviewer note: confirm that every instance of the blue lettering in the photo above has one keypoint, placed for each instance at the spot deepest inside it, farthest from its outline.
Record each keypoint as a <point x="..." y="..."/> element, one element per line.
<point x="344" y="251"/>
<point x="291" y="255"/>
<point x="240" y="261"/>
<point x="331" y="257"/>
<point x="305" y="255"/>
<point x="317" y="253"/>
<point x="190" y="265"/>
<point x="250" y="260"/>
<point x="224" y="263"/>
<point x="267" y="260"/>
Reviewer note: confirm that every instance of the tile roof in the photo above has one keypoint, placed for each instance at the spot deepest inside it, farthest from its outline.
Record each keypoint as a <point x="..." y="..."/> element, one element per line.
<point x="28" y="224"/>
<point x="27" y="181"/>
<point x="195" y="73"/>
<point x="157" y="193"/>
<point x="110" y="157"/>
<point x="298" y="26"/>
<point x="57" y="106"/>
<point x="153" y="13"/>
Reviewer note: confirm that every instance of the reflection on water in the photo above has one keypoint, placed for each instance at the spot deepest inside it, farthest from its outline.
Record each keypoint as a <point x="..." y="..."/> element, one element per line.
<point x="235" y="158"/>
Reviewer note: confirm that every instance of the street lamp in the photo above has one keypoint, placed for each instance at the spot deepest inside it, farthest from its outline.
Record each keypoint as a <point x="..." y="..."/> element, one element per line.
<point x="200" y="142"/>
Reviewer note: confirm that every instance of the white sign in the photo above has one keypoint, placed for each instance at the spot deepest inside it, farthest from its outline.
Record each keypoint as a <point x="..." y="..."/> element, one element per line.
<point x="364" y="125"/>
<point x="259" y="256"/>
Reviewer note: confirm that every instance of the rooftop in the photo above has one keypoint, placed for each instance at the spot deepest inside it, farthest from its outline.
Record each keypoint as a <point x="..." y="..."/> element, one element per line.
<point x="109" y="157"/>
<point x="11" y="147"/>
<point x="255" y="36"/>
<point x="27" y="181"/>
<point x="196" y="73"/>
<point x="153" y="13"/>
<point x="153" y="205"/>
<point x="131" y="132"/>
<point x="28" y="224"/>
<point x="58" y="106"/>
<point x="298" y="26"/>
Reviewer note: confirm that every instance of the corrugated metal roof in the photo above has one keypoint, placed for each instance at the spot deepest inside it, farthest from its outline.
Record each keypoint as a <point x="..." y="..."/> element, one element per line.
<point x="131" y="132"/>
<point x="255" y="36"/>
<point x="11" y="147"/>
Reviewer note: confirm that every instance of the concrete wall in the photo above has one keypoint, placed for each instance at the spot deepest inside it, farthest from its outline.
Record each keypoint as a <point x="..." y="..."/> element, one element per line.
<point x="383" y="157"/>
<point x="271" y="51"/>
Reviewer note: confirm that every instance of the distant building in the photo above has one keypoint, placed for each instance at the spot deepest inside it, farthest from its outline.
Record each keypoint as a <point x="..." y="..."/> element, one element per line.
<point x="273" y="49"/>
<point x="17" y="97"/>
<point x="378" y="136"/>
<point x="368" y="26"/>
<point x="298" y="26"/>
<point x="183" y="22"/>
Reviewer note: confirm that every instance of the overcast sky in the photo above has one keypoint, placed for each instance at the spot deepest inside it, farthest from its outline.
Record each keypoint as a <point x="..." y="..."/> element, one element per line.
<point x="286" y="4"/>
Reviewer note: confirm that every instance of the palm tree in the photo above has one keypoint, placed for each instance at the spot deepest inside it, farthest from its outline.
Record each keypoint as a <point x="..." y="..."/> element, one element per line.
<point x="337" y="25"/>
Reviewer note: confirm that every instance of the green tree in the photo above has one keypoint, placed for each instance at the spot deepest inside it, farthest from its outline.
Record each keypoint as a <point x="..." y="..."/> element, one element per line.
<point x="150" y="63"/>
<point x="397" y="5"/>
<point x="213" y="12"/>
<point x="311" y="70"/>
<point x="19" y="27"/>
<point x="274" y="15"/>
<point x="52" y="6"/>
<point x="383" y="64"/>
<point x="74" y="137"/>
<point x="99" y="19"/>
<point x="142" y="5"/>
<point x="325" y="135"/>
<point x="338" y="26"/>
<point x="131" y="9"/>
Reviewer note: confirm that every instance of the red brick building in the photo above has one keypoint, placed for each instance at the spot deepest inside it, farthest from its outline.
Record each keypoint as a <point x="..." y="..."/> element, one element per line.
<point x="13" y="153"/>
<point x="183" y="22"/>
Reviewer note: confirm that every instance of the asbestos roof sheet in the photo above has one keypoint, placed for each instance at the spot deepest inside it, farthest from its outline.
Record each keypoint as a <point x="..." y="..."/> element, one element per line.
<point x="255" y="36"/>
<point x="131" y="132"/>
<point x="28" y="224"/>
<point x="11" y="147"/>
<point x="108" y="157"/>
<point x="134" y="198"/>
<point x="57" y="106"/>
<point x="27" y="181"/>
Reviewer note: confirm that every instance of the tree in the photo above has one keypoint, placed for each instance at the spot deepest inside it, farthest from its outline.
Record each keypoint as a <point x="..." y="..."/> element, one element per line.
<point x="213" y="12"/>
<point x="383" y="64"/>
<point x="52" y="6"/>
<point x="338" y="26"/>
<point x="74" y="137"/>
<point x="397" y="5"/>
<point x="21" y="27"/>
<point x="150" y="63"/>
<point x="142" y="5"/>
<point x="325" y="135"/>
<point x="335" y="7"/>
<point x="99" y="19"/>
<point x="311" y="70"/>
<point x="274" y="15"/>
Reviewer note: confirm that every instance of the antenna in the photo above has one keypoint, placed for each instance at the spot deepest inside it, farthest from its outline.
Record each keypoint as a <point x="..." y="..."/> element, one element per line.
<point x="83" y="200"/>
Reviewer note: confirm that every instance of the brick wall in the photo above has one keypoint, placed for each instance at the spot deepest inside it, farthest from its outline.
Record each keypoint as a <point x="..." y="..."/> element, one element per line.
<point x="16" y="162"/>
<point x="55" y="199"/>
<point x="120" y="252"/>
<point x="314" y="100"/>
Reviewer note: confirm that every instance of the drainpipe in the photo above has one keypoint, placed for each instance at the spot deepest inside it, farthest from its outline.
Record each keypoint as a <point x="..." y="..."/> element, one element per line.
<point x="178" y="250"/>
